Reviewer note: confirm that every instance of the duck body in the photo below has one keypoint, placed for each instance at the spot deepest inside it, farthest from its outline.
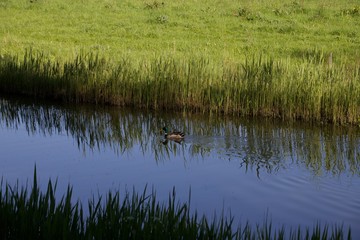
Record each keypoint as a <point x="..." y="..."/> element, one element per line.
<point x="175" y="135"/>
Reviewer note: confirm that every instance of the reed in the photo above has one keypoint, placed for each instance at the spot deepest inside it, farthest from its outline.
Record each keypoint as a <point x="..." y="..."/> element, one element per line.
<point x="33" y="214"/>
<point x="258" y="86"/>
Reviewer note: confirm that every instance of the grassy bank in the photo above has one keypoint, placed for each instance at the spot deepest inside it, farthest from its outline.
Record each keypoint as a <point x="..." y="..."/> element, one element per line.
<point x="258" y="86"/>
<point x="33" y="214"/>
<point x="290" y="60"/>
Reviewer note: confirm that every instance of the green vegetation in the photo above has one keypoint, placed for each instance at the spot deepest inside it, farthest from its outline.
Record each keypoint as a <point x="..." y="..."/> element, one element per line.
<point x="222" y="30"/>
<point x="257" y="87"/>
<point x="292" y="60"/>
<point x="38" y="215"/>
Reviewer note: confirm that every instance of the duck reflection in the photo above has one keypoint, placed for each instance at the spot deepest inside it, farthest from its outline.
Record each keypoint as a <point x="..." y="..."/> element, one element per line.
<point x="165" y="141"/>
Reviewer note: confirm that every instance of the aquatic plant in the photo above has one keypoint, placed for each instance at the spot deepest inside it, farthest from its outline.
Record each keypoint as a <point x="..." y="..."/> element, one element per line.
<point x="33" y="214"/>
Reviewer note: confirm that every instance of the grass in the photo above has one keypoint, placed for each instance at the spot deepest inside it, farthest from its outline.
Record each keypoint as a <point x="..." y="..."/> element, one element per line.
<point x="218" y="29"/>
<point x="36" y="215"/>
<point x="259" y="86"/>
<point x="292" y="60"/>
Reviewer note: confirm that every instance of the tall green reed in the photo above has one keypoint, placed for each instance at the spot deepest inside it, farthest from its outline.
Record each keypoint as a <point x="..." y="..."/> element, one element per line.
<point x="258" y="86"/>
<point x="36" y="215"/>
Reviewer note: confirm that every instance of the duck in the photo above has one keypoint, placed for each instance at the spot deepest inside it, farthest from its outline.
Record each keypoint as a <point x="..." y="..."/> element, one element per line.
<point x="175" y="135"/>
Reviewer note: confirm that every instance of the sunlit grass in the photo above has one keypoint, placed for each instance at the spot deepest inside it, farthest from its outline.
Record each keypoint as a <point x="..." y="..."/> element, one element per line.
<point x="217" y="29"/>
<point x="33" y="214"/>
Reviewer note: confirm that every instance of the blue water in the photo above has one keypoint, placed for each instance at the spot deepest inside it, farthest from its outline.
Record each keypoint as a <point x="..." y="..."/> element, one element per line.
<point x="295" y="174"/>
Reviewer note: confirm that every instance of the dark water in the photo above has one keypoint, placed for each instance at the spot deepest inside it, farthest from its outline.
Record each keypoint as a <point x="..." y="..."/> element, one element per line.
<point x="294" y="173"/>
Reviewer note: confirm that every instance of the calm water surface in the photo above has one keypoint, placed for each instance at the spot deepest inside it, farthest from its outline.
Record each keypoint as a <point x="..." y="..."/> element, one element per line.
<point x="294" y="173"/>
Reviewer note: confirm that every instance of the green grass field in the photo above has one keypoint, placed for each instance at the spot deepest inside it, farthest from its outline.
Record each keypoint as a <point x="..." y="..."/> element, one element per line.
<point x="220" y="30"/>
<point x="290" y="60"/>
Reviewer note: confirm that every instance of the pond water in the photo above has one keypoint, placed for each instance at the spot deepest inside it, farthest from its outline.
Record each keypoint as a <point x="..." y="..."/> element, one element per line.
<point x="295" y="174"/>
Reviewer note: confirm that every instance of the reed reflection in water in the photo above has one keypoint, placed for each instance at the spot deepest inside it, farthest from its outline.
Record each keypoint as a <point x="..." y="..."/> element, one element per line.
<point x="219" y="155"/>
<point x="261" y="145"/>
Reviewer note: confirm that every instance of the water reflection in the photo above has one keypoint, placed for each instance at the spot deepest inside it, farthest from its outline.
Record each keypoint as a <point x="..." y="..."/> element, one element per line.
<point x="259" y="146"/>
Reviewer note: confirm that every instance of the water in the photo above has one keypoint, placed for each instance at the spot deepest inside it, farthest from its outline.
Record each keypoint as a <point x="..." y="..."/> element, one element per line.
<point x="293" y="173"/>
